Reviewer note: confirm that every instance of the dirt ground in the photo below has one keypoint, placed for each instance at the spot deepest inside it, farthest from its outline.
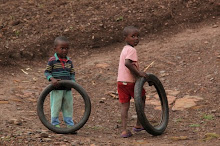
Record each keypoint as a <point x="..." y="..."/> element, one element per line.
<point x="184" y="45"/>
<point x="190" y="59"/>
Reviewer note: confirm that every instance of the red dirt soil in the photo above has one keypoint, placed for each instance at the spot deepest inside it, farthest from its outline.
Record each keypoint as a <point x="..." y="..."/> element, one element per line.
<point x="188" y="53"/>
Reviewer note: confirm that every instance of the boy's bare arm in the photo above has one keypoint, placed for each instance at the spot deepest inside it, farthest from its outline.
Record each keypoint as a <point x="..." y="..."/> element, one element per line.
<point x="130" y="66"/>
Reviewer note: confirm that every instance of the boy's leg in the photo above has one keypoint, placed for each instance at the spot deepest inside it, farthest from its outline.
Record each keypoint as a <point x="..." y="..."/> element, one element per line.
<point x="124" y="116"/>
<point x="55" y="105"/>
<point x="67" y="107"/>
<point x="124" y="98"/>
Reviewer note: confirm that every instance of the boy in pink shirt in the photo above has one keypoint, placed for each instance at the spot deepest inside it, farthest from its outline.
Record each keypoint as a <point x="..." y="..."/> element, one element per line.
<point x="128" y="71"/>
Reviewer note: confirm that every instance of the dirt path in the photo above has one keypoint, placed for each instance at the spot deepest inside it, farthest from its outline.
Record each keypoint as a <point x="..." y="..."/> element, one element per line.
<point x="188" y="62"/>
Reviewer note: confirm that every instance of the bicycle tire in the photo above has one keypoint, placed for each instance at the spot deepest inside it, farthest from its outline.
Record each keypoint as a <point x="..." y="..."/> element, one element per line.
<point x="80" y="124"/>
<point x="152" y="80"/>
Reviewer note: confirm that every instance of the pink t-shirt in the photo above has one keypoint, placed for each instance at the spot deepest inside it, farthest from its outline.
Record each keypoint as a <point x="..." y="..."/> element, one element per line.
<point x="124" y="74"/>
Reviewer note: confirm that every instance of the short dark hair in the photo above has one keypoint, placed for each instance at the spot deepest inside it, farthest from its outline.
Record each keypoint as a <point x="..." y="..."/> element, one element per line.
<point x="60" y="38"/>
<point x="127" y="30"/>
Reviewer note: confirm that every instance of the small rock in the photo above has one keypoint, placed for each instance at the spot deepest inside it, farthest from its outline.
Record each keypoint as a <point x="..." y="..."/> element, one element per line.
<point x="66" y="30"/>
<point x="201" y="122"/>
<point x="47" y="139"/>
<point x="214" y="26"/>
<point x="162" y="71"/>
<point x="178" y="57"/>
<point x="213" y="111"/>
<point x="134" y="116"/>
<point x="15" y="121"/>
<point x="44" y="135"/>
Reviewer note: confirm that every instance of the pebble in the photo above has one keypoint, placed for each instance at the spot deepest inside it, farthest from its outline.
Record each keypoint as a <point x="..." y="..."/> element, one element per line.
<point x="213" y="111"/>
<point x="44" y="135"/>
<point x="15" y="121"/>
<point x="47" y="139"/>
<point x="214" y="26"/>
<point x="178" y="57"/>
<point x="134" y="116"/>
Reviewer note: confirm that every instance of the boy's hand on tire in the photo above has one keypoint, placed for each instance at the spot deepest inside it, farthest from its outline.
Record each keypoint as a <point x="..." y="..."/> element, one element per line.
<point x="55" y="82"/>
<point x="143" y="74"/>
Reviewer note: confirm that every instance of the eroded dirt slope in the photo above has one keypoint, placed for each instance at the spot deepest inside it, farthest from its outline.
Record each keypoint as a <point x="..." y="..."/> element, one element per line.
<point x="28" y="27"/>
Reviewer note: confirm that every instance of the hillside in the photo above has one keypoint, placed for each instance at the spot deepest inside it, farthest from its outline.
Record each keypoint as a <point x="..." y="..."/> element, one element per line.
<point x="28" y="27"/>
<point x="181" y="36"/>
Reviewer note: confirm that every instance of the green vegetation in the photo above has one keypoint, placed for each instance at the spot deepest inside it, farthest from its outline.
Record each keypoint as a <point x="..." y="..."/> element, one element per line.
<point x="208" y="117"/>
<point x="194" y="125"/>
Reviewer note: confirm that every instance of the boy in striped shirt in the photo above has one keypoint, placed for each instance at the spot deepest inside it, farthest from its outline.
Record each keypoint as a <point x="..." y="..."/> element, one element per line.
<point x="60" y="67"/>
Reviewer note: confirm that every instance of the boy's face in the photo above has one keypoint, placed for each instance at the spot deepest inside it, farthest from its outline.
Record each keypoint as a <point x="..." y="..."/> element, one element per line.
<point x="132" y="38"/>
<point x="62" y="49"/>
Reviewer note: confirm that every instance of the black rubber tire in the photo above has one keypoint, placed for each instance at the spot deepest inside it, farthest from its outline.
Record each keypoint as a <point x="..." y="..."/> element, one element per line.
<point x="152" y="80"/>
<point x="67" y="84"/>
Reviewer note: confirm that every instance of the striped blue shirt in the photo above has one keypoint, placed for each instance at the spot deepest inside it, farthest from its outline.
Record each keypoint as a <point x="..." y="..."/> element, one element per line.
<point x="56" y="70"/>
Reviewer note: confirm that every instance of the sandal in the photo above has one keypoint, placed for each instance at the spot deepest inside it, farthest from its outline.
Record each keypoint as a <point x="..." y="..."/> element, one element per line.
<point x="126" y="135"/>
<point x="138" y="129"/>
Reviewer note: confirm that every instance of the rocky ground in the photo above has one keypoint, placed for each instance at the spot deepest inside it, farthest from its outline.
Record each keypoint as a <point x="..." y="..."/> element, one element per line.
<point x="187" y="61"/>
<point x="181" y="37"/>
